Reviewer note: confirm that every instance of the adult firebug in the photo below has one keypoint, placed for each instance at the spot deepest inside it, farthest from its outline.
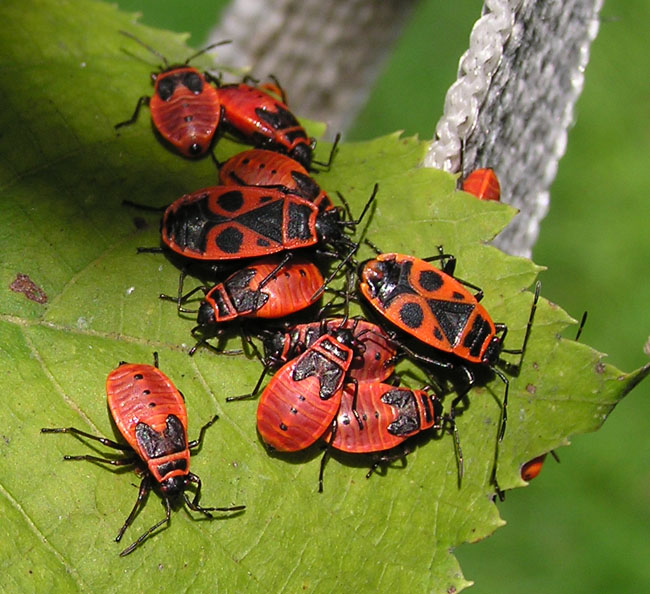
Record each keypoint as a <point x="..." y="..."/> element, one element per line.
<point x="483" y="183"/>
<point x="429" y="304"/>
<point x="185" y="107"/>
<point x="258" y="118"/>
<point x="149" y="411"/>
<point x="259" y="167"/>
<point x="222" y="223"/>
<point x="300" y="402"/>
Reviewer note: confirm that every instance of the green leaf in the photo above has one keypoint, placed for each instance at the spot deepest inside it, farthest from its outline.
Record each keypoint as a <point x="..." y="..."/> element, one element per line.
<point x="85" y="301"/>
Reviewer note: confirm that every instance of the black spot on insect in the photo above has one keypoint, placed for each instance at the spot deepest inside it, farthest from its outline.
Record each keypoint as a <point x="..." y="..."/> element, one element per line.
<point x="283" y="427"/>
<point x="430" y="280"/>
<point x="412" y="315"/>
<point x="137" y="376"/>
<point x="230" y="240"/>
<point x="193" y="82"/>
<point x="166" y="88"/>
<point x="231" y="201"/>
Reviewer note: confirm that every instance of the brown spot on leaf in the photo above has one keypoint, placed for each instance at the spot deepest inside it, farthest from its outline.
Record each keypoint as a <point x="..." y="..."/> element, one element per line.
<point x="531" y="389"/>
<point x="600" y="367"/>
<point x="25" y="285"/>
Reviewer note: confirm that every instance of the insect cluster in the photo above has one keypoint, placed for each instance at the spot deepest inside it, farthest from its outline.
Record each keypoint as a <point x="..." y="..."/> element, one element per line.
<point x="270" y="242"/>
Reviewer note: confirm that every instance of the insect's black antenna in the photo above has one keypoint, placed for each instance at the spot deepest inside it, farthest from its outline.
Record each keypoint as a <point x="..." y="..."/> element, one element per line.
<point x="207" y="49"/>
<point x="143" y="44"/>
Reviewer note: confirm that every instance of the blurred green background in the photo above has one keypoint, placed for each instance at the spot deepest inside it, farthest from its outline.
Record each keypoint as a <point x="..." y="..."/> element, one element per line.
<point x="582" y="526"/>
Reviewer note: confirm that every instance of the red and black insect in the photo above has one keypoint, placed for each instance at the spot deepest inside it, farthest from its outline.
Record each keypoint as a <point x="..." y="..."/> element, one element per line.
<point x="429" y="304"/>
<point x="389" y="415"/>
<point x="374" y="359"/>
<point x="256" y="117"/>
<point x="300" y="402"/>
<point x="259" y="167"/>
<point x="270" y="288"/>
<point x="185" y="107"/>
<point x="149" y="412"/>
<point x="234" y="222"/>
<point x="483" y="183"/>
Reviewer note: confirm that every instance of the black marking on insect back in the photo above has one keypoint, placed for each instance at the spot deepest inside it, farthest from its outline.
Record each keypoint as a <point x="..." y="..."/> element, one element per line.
<point x="332" y="347"/>
<point x="220" y="301"/>
<point x="458" y="296"/>
<point x="408" y="419"/>
<point x="231" y="201"/>
<point x="307" y="187"/>
<point x="393" y="281"/>
<point x="243" y="297"/>
<point x="263" y="242"/>
<point x="295" y="134"/>
<point x="411" y="315"/>
<point x="451" y="316"/>
<point x="430" y="280"/>
<point x="266" y="220"/>
<point x="477" y="335"/>
<point x="155" y="444"/>
<point x="283" y="427"/>
<point x="279" y="119"/>
<point x="298" y="223"/>
<point x="166" y="86"/>
<point x="167" y="467"/>
<point x="193" y="82"/>
<point x="230" y="240"/>
<point x="189" y="224"/>
<point x="398" y="397"/>
<point x="437" y="334"/>
<point x="427" y="407"/>
<point x="188" y="119"/>
<point x="329" y="373"/>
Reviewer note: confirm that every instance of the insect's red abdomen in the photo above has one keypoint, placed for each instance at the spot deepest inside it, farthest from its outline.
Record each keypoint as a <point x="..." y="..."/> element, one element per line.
<point x="150" y="413"/>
